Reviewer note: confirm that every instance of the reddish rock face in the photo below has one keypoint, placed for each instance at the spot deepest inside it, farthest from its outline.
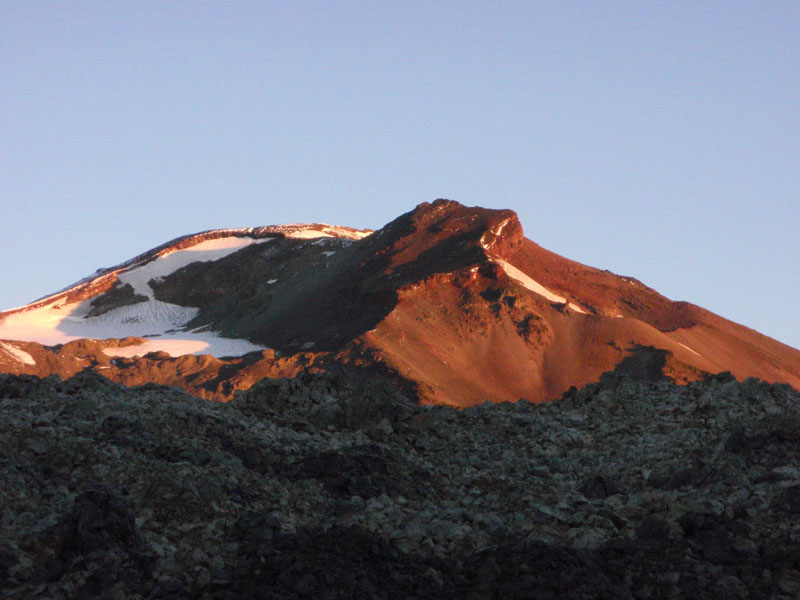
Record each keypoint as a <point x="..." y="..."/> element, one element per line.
<point x="449" y="231"/>
<point x="452" y="300"/>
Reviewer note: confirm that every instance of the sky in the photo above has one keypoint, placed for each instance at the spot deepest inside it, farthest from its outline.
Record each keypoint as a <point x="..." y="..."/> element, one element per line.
<point x="659" y="140"/>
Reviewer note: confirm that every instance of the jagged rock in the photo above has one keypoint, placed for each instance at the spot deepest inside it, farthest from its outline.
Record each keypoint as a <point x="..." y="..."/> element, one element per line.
<point x="599" y="487"/>
<point x="328" y="486"/>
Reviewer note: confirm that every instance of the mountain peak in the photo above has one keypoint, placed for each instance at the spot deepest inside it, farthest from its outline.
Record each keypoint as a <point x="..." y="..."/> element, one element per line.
<point x="451" y="217"/>
<point x="454" y="230"/>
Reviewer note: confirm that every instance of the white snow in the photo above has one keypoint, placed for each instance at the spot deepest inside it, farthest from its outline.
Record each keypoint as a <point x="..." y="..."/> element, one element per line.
<point x="187" y="343"/>
<point x="534" y="285"/>
<point x="319" y="230"/>
<point x="18" y="354"/>
<point x="329" y="253"/>
<point x="307" y="234"/>
<point x="342" y="232"/>
<point x="501" y="226"/>
<point x="528" y="282"/>
<point x="61" y="323"/>
<point x="153" y="317"/>
<point x="304" y="231"/>
<point x="496" y="232"/>
<point x="169" y="263"/>
<point x="37" y="325"/>
<point x="577" y="308"/>
<point x="689" y="349"/>
<point x="160" y="322"/>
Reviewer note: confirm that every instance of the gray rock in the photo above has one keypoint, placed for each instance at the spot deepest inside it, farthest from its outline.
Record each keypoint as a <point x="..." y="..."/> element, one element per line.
<point x="639" y="488"/>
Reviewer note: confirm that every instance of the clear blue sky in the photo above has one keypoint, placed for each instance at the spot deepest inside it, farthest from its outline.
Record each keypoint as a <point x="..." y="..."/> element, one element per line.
<point x="655" y="139"/>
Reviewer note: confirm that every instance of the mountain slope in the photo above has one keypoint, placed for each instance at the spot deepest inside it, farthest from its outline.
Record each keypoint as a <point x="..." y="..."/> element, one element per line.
<point x="453" y="300"/>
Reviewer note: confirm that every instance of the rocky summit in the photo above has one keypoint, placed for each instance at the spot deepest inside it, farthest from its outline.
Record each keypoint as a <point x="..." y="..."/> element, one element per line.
<point x="333" y="486"/>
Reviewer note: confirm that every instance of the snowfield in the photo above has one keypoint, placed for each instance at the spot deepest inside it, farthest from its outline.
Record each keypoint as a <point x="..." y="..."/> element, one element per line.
<point x="518" y="275"/>
<point x="307" y="234"/>
<point x="18" y="354"/>
<point x="188" y="343"/>
<point x="51" y="321"/>
<point x="689" y="349"/>
<point x="308" y="231"/>
<point x="167" y="264"/>
<point x="162" y="322"/>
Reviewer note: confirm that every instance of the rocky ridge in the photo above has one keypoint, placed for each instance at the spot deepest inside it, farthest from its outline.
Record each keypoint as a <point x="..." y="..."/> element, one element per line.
<point x="324" y="486"/>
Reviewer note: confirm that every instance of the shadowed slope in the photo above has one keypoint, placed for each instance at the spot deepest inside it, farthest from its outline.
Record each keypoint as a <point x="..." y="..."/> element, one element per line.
<point x="291" y="294"/>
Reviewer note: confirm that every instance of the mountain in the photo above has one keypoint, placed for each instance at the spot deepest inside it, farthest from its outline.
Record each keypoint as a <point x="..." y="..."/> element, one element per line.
<point x="452" y="301"/>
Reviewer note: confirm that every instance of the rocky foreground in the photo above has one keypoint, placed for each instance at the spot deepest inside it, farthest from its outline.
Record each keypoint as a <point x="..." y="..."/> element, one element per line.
<point x="318" y="487"/>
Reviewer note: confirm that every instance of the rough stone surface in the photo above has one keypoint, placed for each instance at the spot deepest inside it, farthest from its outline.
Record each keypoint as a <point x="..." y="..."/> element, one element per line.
<point x="325" y="487"/>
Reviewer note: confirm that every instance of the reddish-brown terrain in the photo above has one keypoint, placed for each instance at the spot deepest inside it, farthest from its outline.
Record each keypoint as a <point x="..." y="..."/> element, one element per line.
<point x="453" y="300"/>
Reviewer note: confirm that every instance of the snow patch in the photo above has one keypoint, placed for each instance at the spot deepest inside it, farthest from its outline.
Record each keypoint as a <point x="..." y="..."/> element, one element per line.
<point x="187" y="343"/>
<point x="689" y="349"/>
<point x="501" y="226"/>
<point x="17" y="354"/>
<point x="329" y="253"/>
<point x="53" y="322"/>
<point x="307" y="234"/>
<point x="168" y="263"/>
<point x="496" y="231"/>
<point x="159" y="321"/>
<point x="577" y="308"/>
<point x="271" y="281"/>
<point x="319" y="230"/>
<point x="532" y="284"/>
<point x="528" y="282"/>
